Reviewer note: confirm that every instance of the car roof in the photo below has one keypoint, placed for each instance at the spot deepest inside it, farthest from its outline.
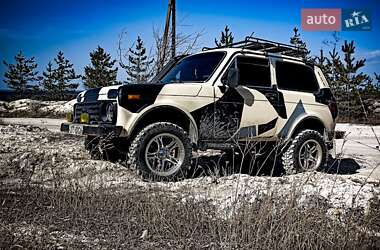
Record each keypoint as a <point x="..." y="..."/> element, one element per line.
<point x="248" y="51"/>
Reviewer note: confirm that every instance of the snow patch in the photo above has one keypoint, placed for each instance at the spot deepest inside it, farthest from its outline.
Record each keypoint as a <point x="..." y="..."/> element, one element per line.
<point x="43" y="107"/>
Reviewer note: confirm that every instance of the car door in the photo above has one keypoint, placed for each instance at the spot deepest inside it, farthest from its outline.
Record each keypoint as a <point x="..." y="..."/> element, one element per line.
<point x="297" y="83"/>
<point x="250" y="110"/>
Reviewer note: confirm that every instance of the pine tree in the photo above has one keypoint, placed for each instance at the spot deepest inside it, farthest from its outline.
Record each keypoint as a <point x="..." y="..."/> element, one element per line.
<point x="322" y="62"/>
<point x="328" y="64"/>
<point x="348" y="69"/>
<point x="332" y="74"/>
<point x="64" y="75"/>
<point x="48" y="80"/>
<point x="370" y="88"/>
<point x="225" y="39"/>
<point x="299" y="44"/>
<point x="101" y="72"/>
<point x="138" y="68"/>
<point x="377" y="78"/>
<point x="349" y="80"/>
<point x="328" y="67"/>
<point x="21" y="76"/>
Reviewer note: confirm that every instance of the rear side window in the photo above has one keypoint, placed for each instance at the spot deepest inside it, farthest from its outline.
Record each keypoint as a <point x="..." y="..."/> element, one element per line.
<point x="298" y="77"/>
<point x="254" y="72"/>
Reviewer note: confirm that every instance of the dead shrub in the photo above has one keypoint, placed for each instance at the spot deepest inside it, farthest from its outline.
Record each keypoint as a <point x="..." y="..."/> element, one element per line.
<point x="146" y="219"/>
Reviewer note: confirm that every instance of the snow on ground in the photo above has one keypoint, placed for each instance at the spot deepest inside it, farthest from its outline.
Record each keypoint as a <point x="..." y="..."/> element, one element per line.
<point x="46" y="123"/>
<point x="361" y="145"/>
<point x="358" y="130"/>
<point x="56" y="159"/>
<point x="225" y="192"/>
<point x="37" y="154"/>
<point x="54" y="108"/>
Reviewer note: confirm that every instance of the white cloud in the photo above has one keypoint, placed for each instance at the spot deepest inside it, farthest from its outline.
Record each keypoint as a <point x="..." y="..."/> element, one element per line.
<point x="373" y="55"/>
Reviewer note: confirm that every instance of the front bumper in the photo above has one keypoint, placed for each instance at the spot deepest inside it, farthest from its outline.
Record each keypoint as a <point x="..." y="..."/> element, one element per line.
<point x="86" y="129"/>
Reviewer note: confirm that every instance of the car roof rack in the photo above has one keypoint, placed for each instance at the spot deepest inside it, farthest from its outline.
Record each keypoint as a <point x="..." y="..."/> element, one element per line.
<point x="258" y="44"/>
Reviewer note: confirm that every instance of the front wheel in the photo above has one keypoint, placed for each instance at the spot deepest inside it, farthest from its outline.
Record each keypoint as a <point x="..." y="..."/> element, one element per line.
<point x="307" y="152"/>
<point x="161" y="151"/>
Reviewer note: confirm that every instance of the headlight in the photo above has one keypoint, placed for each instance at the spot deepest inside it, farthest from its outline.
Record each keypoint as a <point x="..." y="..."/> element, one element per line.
<point x="109" y="112"/>
<point x="79" y="97"/>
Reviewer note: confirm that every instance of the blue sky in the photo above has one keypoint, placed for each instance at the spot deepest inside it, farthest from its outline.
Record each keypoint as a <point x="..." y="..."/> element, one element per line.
<point x="41" y="28"/>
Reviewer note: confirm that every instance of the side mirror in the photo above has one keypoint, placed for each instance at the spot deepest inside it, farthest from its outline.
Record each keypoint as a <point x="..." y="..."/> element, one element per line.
<point x="233" y="77"/>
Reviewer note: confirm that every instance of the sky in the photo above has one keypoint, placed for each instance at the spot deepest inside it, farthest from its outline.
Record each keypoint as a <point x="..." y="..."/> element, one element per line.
<point x="42" y="28"/>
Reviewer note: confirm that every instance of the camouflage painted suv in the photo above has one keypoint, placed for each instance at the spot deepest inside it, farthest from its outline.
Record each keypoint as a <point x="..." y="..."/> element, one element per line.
<point x="254" y="90"/>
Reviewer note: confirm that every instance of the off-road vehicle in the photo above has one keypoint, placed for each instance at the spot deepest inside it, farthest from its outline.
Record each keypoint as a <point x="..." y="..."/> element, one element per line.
<point x="254" y="90"/>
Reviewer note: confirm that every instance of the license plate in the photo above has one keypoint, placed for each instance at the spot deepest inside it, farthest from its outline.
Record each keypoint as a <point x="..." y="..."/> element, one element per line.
<point x="76" y="129"/>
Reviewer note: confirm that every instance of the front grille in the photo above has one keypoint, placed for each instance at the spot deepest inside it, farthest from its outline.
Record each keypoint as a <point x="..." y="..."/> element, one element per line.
<point x="96" y="110"/>
<point x="93" y="109"/>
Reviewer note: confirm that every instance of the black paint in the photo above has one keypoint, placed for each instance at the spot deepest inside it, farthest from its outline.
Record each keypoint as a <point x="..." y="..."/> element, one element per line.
<point x="148" y="93"/>
<point x="276" y="99"/>
<point x="247" y="132"/>
<point x="91" y="95"/>
<point x="262" y="128"/>
<point x="325" y="96"/>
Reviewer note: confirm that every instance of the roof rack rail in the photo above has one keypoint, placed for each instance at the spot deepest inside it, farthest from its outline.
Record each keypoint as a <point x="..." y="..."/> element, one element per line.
<point x="258" y="44"/>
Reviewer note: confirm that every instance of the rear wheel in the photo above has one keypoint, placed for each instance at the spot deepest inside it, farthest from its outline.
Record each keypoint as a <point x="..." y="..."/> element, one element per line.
<point x="307" y="152"/>
<point x="161" y="151"/>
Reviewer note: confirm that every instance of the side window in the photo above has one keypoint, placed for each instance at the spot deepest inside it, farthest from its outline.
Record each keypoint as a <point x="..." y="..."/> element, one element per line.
<point x="292" y="76"/>
<point x="253" y="71"/>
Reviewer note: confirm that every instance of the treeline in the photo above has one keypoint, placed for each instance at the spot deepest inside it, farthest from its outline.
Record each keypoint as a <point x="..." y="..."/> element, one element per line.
<point x="59" y="79"/>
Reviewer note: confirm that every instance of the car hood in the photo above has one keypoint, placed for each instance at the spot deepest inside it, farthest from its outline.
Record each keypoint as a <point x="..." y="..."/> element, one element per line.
<point x="98" y="94"/>
<point x="111" y="92"/>
<point x="182" y="89"/>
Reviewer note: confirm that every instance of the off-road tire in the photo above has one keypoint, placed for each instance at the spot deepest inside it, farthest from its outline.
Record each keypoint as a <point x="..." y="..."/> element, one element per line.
<point x="100" y="150"/>
<point x="136" y="151"/>
<point x="289" y="159"/>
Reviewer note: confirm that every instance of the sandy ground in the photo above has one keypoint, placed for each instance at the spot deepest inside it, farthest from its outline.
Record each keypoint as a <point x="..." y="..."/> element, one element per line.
<point x="360" y="143"/>
<point x="48" y="123"/>
<point x="43" y="155"/>
<point x="34" y="108"/>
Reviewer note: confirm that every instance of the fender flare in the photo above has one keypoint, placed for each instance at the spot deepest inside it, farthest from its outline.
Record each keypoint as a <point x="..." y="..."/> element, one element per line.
<point x="193" y="128"/>
<point x="300" y="120"/>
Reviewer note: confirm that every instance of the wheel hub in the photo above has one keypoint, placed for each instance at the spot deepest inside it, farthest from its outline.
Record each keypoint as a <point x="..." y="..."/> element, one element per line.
<point x="310" y="155"/>
<point x="164" y="154"/>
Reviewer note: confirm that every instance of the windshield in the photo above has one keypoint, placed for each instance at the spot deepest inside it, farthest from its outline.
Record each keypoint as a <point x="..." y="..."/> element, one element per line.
<point x="196" y="68"/>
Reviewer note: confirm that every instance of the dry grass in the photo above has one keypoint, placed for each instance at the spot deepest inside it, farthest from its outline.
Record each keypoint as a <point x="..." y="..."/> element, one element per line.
<point x="145" y="219"/>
